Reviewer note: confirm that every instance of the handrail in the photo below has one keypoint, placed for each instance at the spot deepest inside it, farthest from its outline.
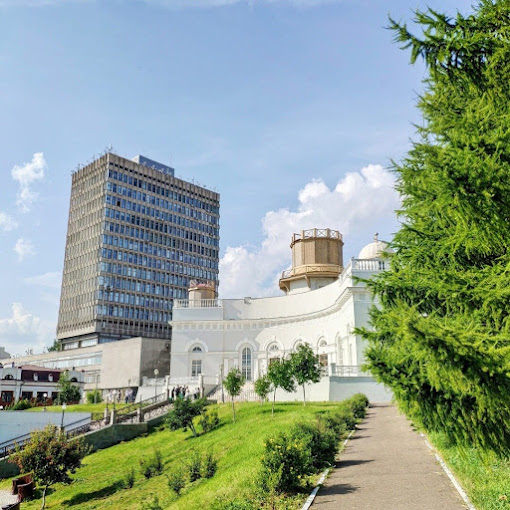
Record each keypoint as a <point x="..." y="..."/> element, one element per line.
<point x="7" y="447"/>
<point x="122" y="414"/>
<point x="197" y="303"/>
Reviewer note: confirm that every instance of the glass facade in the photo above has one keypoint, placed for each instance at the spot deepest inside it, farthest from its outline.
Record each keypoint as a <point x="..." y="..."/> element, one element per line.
<point x="151" y="233"/>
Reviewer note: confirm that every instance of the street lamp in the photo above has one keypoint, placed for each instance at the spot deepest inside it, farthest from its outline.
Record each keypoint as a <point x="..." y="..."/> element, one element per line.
<point x="64" y="406"/>
<point x="156" y="373"/>
<point x="45" y="395"/>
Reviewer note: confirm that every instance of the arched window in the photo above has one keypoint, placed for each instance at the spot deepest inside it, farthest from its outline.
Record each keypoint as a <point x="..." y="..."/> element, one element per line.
<point x="9" y="377"/>
<point x="273" y="347"/>
<point x="196" y="349"/>
<point x="246" y="363"/>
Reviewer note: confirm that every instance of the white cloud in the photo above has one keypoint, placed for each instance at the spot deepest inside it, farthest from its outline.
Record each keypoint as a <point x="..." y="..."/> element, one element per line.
<point x="23" y="330"/>
<point x="26" y="175"/>
<point x="49" y="280"/>
<point x="361" y="203"/>
<point x="24" y="248"/>
<point x="7" y="223"/>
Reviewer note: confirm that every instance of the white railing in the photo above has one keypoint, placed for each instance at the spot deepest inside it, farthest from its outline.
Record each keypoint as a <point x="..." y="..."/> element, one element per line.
<point x="317" y="232"/>
<point x="346" y="371"/>
<point x="186" y="381"/>
<point x="197" y="303"/>
<point x="370" y="264"/>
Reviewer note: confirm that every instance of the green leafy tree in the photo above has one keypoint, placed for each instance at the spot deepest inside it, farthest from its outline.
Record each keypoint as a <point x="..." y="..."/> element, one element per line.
<point x="441" y="338"/>
<point x="280" y="374"/>
<point x="50" y="457"/>
<point x="183" y="412"/>
<point x="55" y="346"/>
<point x="94" y="397"/>
<point x="233" y="384"/>
<point x="67" y="391"/>
<point x="263" y="387"/>
<point x="305" y="366"/>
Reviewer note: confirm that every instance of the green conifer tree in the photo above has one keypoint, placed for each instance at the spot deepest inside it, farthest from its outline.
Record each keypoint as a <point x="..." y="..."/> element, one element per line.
<point x="442" y="331"/>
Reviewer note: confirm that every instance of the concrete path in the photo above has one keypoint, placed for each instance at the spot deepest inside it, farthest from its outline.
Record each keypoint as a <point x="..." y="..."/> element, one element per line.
<point x="6" y="498"/>
<point x="387" y="466"/>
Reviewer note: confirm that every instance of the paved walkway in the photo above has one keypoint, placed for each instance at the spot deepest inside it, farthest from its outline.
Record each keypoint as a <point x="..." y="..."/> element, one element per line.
<point x="387" y="466"/>
<point x="6" y="498"/>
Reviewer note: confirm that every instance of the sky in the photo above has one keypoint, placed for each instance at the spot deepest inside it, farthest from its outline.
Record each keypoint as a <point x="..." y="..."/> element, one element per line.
<point x="291" y="109"/>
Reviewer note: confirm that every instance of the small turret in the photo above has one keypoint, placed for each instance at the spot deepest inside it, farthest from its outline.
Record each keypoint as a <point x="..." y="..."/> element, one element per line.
<point x="317" y="260"/>
<point x="198" y="292"/>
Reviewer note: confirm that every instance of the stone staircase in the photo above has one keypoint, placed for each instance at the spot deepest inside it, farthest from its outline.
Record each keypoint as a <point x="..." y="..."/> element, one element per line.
<point x="247" y="394"/>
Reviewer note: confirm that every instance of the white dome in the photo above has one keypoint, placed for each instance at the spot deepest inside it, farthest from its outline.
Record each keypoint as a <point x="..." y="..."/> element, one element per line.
<point x="375" y="249"/>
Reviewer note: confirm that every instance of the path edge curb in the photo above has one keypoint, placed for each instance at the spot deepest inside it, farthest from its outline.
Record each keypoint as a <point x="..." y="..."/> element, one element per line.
<point x="311" y="497"/>
<point x="450" y="475"/>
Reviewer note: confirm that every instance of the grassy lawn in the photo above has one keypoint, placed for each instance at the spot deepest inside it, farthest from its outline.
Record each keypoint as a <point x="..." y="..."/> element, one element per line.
<point x="238" y="447"/>
<point x="96" y="409"/>
<point x="485" y="478"/>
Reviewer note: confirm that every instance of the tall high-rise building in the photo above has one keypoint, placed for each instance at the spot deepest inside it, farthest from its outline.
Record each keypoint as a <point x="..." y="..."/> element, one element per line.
<point x="136" y="236"/>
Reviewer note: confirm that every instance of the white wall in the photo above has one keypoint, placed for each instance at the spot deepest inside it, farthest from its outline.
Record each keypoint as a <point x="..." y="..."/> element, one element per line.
<point x="17" y="423"/>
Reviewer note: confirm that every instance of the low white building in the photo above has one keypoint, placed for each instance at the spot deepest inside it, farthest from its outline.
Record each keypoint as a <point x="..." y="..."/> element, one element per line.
<point x="34" y="383"/>
<point x="322" y="305"/>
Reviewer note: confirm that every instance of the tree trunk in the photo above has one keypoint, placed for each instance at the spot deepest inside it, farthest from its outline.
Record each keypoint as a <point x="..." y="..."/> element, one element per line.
<point x="233" y="409"/>
<point x="44" y="497"/>
<point x="304" y="397"/>
<point x="274" y="398"/>
<point x="192" y="427"/>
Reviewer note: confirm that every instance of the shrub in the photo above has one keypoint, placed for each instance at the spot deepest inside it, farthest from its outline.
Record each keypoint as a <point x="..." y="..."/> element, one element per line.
<point x="129" y="479"/>
<point x="195" y="467"/>
<point x="330" y="421"/>
<point x="94" y="396"/>
<point x="210" y="465"/>
<point x="322" y="443"/>
<point x="209" y="421"/>
<point x="290" y="455"/>
<point x="152" y="466"/>
<point x="176" y="481"/>
<point x="358" y="403"/>
<point x="234" y="504"/>
<point x="181" y="416"/>
<point x="344" y="414"/>
<point x="152" y="505"/>
<point x="20" y="405"/>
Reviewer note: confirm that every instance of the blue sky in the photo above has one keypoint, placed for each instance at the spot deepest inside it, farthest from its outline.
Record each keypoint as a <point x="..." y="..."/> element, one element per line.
<point x="291" y="109"/>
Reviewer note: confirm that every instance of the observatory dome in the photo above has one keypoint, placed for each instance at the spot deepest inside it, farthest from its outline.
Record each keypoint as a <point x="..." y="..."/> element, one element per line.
<point x="375" y="249"/>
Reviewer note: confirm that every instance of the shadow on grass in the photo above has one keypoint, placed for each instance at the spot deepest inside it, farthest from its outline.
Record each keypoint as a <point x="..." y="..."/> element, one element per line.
<point x="83" y="497"/>
<point x="268" y="411"/>
<point x="39" y="492"/>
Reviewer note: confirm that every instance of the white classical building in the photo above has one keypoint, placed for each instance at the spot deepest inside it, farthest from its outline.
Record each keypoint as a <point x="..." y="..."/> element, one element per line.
<point x="323" y="304"/>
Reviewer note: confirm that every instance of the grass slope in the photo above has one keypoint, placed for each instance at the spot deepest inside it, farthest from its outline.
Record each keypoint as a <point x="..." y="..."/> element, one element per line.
<point x="238" y="447"/>
<point x="484" y="477"/>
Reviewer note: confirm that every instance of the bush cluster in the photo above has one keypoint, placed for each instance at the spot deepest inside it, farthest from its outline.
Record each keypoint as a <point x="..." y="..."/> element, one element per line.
<point x="198" y="467"/>
<point x="151" y="466"/>
<point x="290" y="457"/>
<point x="20" y="405"/>
<point x="209" y="421"/>
<point x="94" y="397"/>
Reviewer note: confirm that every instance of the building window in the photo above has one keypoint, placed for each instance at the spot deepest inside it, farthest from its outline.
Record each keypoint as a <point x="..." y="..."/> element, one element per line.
<point x="196" y="349"/>
<point x="9" y="377"/>
<point x="196" y="367"/>
<point x="323" y="360"/>
<point x="273" y="347"/>
<point x="246" y="363"/>
<point x="7" y="396"/>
